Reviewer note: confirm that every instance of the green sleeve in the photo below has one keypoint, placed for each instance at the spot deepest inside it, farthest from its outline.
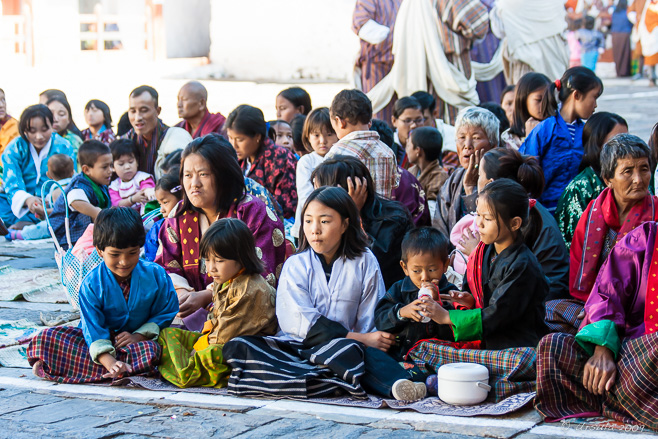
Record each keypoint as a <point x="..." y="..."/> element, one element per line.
<point x="149" y="330"/>
<point x="466" y="324"/>
<point x="101" y="347"/>
<point x="601" y="333"/>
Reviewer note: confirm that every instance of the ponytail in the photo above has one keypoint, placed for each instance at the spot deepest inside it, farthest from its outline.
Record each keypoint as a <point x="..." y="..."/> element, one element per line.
<point x="580" y="79"/>
<point x="509" y="163"/>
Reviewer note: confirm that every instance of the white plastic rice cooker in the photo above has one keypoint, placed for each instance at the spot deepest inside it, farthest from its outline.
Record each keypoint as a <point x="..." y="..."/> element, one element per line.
<point x="463" y="383"/>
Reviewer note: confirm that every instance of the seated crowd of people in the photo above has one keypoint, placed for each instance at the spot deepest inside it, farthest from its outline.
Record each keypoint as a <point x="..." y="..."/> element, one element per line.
<point x="289" y="255"/>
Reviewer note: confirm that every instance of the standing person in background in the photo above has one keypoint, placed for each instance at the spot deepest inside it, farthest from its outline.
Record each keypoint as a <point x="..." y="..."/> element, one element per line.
<point x="648" y="31"/>
<point x="99" y="120"/>
<point x="483" y="52"/>
<point x="8" y="125"/>
<point x="621" y="29"/>
<point x="533" y="37"/>
<point x="373" y="21"/>
<point x="591" y="42"/>
<point x="634" y="13"/>
<point x="192" y="108"/>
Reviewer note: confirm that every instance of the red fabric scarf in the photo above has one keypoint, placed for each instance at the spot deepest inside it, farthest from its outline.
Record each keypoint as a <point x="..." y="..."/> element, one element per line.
<point x="211" y="123"/>
<point x="602" y="217"/>
<point x="474" y="274"/>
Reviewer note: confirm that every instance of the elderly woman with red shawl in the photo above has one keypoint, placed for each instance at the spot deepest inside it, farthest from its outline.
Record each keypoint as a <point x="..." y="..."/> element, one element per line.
<point x="609" y="367"/>
<point x="214" y="188"/>
<point x="623" y="205"/>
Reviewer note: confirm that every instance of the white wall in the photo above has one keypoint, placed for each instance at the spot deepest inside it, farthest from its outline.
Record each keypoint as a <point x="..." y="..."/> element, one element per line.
<point x="283" y="39"/>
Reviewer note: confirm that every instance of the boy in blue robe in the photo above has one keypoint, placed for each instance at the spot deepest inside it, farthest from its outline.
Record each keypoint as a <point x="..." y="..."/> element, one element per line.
<point x="124" y="303"/>
<point x="86" y="194"/>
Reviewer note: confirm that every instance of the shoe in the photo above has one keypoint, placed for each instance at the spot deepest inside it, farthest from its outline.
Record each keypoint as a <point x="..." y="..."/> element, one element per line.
<point x="406" y="390"/>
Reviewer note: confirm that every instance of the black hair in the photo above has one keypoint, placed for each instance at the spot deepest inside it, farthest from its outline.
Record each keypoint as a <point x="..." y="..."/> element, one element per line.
<point x="507" y="199"/>
<point x="60" y="166"/>
<point x="352" y="106"/>
<point x="105" y="109"/>
<point x="89" y="152"/>
<point x="354" y="241"/>
<point x="223" y="161"/>
<point x="299" y="98"/>
<point x="509" y="163"/>
<point x="576" y="79"/>
<point x="336" y="170"/>
<point x="405" y="103"/>
<point x="590" y="22"/>
<point x="508" y="89"/>
<point x="529" y="83"/>
<point x="39" y="111"/>
<point x="426" y="100"/>
<point x="317" y="119"/>
<point x="118" y="227"/>
<point x="65" y="103"/>
<point x="297" y="126"/>
<point x="230" y="238"/>
<point x="121" y="147"/>
<point x="271" y="132"/>
<point x="124" y="125"/>
<point x="145" y="89"/>
<point x="425" y="240"/>
<point x="51" y="93"/>
<point x="171" y="162"/>
<point x="428" y="139"/>
<point x="622" y="5"/>
<point x="500" y="114"/>
<point x="169" y="183"/>
<point x="385" y="132"/>
<point x="597" y="128"/>
<point x="249" y="121"/>
<point x="653" y="146"/>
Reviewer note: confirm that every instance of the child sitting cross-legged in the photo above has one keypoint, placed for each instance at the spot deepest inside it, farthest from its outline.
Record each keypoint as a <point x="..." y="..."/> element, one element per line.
<point x="124" y="303"/>
<point x="86" y="194"/>
<point x="425" y="259"/>
<point x="244" y="304"/>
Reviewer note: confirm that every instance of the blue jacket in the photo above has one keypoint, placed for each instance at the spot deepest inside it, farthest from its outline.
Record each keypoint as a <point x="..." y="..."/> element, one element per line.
<point x="558" y="155"/>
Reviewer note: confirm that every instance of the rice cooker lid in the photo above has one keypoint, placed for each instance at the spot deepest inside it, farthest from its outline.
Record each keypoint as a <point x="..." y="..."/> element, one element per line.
<point x="463" y="372"/>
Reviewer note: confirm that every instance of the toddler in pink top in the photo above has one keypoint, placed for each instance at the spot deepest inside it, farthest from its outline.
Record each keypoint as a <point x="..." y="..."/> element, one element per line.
<point x="132" y="188"/>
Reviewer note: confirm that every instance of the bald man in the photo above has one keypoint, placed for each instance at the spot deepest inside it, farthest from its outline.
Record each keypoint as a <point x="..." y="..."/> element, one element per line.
<point x="197" y="120"/>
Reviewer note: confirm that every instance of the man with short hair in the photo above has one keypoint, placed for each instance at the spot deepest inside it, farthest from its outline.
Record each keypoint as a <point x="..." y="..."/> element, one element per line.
<point x="192" y="108"/>
<point x="147" y="131"/>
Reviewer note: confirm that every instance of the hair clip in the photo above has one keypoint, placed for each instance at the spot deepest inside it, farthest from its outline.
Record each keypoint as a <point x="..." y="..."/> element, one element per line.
<point x="176" y="189"/>
<point x="558" y="84"/>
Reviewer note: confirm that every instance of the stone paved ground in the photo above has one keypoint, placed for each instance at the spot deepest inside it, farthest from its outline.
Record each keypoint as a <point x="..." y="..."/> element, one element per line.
<point x="31" y="408"/>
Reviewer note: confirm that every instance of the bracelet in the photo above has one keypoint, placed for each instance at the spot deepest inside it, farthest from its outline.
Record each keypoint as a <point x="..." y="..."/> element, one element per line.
<point x="130" y="200"/>
<point x="404" y="319"/>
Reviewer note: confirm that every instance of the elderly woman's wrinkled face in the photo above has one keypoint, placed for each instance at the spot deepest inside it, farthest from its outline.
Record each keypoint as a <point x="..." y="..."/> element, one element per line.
<point x="631" y="181"/>
<point x="471" y="138"/>
<point x="199" y="182"/>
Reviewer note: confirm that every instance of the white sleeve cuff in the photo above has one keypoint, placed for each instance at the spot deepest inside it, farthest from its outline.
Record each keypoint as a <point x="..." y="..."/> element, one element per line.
<point x="180" y="282"/>
<point x="373" y="32"/>
<point x="18" y="207"/>
<point x="76" y="195"/>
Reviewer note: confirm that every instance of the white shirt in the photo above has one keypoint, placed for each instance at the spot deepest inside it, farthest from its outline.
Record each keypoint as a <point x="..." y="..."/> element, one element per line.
<point x="349" y="298"/>
<point x="305" y="167"/>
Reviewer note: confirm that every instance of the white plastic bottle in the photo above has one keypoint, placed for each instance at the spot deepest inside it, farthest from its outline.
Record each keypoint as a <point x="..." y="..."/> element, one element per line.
<point x="425" y="292"/>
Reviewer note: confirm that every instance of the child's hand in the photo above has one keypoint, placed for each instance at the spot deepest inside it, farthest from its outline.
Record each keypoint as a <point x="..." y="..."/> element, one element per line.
<point x="35" y="206"/>
<point x="140" y="197"/>
<point x="434" y="311"/>
<point x="469" y="241"/>
<point x="126" y="338"/>
<point x="117" y="370"/>
<point x="464" y="299"/>
<point x="411" y="311"/>
<point x="378" y="340"/>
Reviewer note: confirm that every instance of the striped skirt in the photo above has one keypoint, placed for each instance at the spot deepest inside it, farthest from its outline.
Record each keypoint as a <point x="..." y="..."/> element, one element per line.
<point x="511" y="370"/>
<point x="264" y="366"/>
<point x="65" y="356"/>
<point x="560" y="392"/>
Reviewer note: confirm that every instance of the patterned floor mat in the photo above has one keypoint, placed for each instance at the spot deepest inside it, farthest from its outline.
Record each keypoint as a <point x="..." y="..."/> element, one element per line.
<point x="431" y="405"/>
<point x="41" y="285"/>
